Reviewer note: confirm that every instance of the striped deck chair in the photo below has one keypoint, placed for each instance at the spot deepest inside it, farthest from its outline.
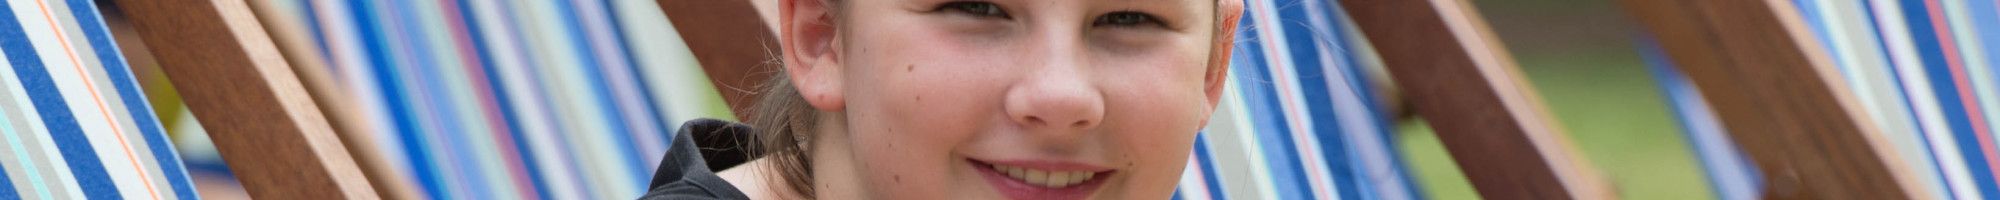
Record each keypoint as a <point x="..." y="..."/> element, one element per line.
<point x="505" y="99"/>
<point x="1302" y="119"/>
<point x="73" y="120"/>
<point x="467" y="99"/>
<point x="1919" y="73"/>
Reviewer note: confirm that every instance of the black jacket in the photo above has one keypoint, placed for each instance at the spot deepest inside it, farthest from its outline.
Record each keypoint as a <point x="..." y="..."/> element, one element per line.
<point x="685" y="174"/>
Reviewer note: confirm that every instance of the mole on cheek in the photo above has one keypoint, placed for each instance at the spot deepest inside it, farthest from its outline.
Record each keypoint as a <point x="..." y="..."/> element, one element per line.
<point x="910" y="68"/>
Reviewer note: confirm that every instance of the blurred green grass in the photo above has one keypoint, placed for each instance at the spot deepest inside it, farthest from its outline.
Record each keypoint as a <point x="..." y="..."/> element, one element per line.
<point x="1614" y="115"/>
<point x="1578" y="54"/>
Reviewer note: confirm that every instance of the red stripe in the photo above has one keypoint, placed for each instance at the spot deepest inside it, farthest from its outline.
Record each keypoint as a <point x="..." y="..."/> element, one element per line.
<point x="1315" y="176"/>
<point x="77" y="64"/>
<point x="475" y="69"/>
<point x="1959" y="78"/>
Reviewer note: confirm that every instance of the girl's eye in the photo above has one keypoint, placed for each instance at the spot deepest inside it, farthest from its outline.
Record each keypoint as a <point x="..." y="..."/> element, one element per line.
<point x="1127" y="19"/>
<point x="982" y="9"/>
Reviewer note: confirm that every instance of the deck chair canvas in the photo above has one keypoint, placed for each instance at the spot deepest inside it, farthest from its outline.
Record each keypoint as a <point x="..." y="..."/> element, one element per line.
<point x="1912" y="81"/>
<point x="74" y="122"/>
<point x="1317" y="130"/>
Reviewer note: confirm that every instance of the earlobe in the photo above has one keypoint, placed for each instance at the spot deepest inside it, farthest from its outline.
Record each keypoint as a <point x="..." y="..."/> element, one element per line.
<point x="811" y="51"/>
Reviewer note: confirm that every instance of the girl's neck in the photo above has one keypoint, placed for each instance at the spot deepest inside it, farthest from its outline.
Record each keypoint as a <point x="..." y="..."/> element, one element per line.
<point x="755" y="180"/>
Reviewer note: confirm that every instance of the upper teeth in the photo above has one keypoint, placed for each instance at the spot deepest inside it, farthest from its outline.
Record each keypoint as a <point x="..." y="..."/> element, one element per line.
<point x="1054" y="179"/>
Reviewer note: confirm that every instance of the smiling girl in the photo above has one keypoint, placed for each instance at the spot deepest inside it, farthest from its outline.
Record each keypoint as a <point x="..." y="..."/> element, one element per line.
<point x="949" y="99"/>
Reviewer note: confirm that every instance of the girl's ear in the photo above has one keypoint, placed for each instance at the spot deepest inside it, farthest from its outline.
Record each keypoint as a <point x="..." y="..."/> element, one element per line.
<point x="1227" y="14"/>
<point x="811" y="45"/>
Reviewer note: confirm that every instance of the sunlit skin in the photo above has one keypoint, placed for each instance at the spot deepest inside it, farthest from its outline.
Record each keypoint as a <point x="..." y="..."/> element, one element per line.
<point x="917" y="99"/>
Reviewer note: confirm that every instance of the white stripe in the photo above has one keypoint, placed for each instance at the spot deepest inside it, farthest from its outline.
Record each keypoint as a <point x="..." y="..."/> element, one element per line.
<point x="535" y="124"/>
<point x="38" y="133"/>
<point x="1193" y="185"/>
<point x="1965" y="37"/>
<point x="1903" y="53"/>
<point x="1360" y="127"/>
<point x="1975" y="62"/>
<point x="1855" y="46"/>
<point x="643" y="132"/>
<point x="349" y="60"/>
<point x="575" y="100"/>
<point x="1239" y="162"/>
<point x="1278" y="61"/>
<point x="112" y="101"/>
<point x="93" y="121"/>
<point x="469" y="110"/>
<point x="25" y="125"/>
<point x="670" y="69"/>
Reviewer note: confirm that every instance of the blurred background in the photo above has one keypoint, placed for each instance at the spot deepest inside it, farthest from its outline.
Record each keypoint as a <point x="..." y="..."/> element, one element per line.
<point x="1582" y="56"/>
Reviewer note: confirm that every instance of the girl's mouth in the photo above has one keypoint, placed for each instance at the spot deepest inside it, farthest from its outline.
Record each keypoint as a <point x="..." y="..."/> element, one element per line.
<point x="1042" y="180"/>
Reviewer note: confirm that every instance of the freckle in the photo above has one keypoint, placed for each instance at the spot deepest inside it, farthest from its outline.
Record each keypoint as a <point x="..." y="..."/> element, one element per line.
<point x="910" y="68"/>
<point x="899" y="178"/>
<point x="920" y="98"/>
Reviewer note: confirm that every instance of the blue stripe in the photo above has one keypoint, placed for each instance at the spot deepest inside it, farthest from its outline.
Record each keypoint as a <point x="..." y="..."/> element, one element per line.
<point x="1673" y="84"/>
<point x="575" y="171"/>
<point x="1820" y="27"/>
<point x="21" y="152"/>
<point x="1207" y="160"/>
<point x="521" y="148"/>
<point x="135" y="102"/>
<point x="1262" y="107"/>
<point x="1808" y="9"/>
<point x="69" y="137"/>
<point x="7" y="183"/>
<point x="614" y="117"/>
<point x="391" y="89"/>
<point x="653" y="110"/>
<point x="1318" y="100"/>
<point x="434" y="92"/>
<point x="1895" y="76"/>
<point x="1365" y="90"/>
<point x="311" y="14"/>
<point x="1986" y="18"/>
<point x="1935" y="66"/>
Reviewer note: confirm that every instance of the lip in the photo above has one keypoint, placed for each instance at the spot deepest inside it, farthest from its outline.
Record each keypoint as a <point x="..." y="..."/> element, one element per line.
<point x="1020" y="190"/>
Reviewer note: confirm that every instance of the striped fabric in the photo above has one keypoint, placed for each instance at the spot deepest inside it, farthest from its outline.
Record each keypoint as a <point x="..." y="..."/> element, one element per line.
<point x="1301" y="119"/>
<point x="512" y="99"/>
<point x="73" y="123"/>
<point x="1923" y="71"/>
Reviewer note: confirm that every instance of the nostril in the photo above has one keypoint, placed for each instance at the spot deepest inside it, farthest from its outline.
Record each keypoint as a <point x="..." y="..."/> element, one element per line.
<point x="1035" y="121"/>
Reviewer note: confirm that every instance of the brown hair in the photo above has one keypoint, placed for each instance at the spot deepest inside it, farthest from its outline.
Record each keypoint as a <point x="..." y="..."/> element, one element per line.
<point x="785" y="126"/>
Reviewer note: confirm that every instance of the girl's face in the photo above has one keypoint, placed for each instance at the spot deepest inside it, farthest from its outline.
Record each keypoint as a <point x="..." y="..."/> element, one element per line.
<point x="1003" y="99"/>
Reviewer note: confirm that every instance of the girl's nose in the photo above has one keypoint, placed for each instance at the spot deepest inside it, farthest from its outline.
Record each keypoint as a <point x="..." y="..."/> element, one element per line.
<point x="1057" y="100"/>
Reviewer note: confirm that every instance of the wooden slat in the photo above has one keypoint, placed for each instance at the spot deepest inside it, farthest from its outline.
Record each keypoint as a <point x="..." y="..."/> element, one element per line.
<point x="733" y="43"/>
<point x="1780" y="97"/>
<point x="236" y="82"/>
<point x="1456" y="75"/>
<point x="295" y="41"/>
